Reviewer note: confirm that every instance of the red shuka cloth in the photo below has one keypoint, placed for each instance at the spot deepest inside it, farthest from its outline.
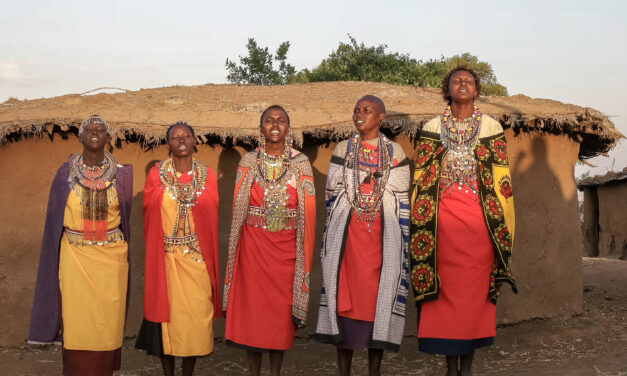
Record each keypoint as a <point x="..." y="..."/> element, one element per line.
<point x="259" y="312"/>
<point x="205" y="214"/>
<point x="465" y="258"/>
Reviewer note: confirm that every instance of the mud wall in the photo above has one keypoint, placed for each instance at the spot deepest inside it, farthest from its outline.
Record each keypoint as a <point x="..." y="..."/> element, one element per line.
<point x="546" y="259"/>
<point x="590" y="222"/>
<point x="547" y="251"/>
<point x="612" y="204"/>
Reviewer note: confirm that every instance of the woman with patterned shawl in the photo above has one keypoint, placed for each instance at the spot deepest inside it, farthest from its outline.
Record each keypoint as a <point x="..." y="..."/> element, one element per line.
<point x="462" y="225"/>
<point x="364" y="247"/>
<point x="81" y="292"/>
<point x="266" y="289"/>
<point x="181" y="233"/>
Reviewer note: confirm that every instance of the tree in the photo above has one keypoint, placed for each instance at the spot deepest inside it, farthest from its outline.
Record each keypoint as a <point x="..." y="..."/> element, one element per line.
<point x="355" y="61"/>
<point x="257" y="67"/>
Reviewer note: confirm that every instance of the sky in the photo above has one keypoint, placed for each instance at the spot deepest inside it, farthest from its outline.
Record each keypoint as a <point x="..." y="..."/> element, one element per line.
<point x="568" y="50"/>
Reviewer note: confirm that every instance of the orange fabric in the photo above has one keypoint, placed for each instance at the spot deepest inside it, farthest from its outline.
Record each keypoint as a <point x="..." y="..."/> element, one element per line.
<point x="310" y="230"/>
<point x="92" y="281"/>
<point x="465" y="258"/>
<point x="205" y="214"/>
<point x="260" y="301"/>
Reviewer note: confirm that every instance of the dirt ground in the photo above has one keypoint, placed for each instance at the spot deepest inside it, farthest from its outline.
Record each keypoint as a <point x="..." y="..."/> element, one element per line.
<point x="593" y="343"/>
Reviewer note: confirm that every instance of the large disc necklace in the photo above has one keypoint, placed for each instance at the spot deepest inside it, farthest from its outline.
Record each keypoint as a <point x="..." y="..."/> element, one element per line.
<point x="273" y="171"/>
<point x="460" y="137"/>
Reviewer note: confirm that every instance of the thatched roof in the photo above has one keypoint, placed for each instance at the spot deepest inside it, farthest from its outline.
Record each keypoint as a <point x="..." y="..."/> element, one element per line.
<point x="322" y="110"/>
<point x="610" y="177"/>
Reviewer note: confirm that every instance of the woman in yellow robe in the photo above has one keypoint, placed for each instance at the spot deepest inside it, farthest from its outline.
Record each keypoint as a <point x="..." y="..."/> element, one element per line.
<point x="180" y="231"/>
<point x="81" y="292"/>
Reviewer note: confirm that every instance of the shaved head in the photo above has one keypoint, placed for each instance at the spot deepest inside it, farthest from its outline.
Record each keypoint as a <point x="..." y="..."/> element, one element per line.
<point x="376" y="100"/>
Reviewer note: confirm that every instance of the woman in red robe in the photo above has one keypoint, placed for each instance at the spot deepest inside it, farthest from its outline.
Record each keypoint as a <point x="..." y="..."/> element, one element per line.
<point x="266" y="291"/>
<point x="462" y="225"/>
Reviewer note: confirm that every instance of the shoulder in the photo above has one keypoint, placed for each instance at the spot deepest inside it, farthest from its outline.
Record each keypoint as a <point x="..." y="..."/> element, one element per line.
<point x="210" y="173"/>
<point x="125" y="170"/>
<point x="489" y="127"/>
<point x="248" y="159"/>
<point x="397" y="151"/>
<point x="63" y="169"/>
<point x="298" y="156"/>
<point x="301" y="162"/>
<point x="153" y="174"/>
<point x="340" y="149"/>
<point x="433" y="125"/>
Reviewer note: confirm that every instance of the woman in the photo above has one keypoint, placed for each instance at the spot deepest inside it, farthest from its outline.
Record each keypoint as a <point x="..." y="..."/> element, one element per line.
<point x="266" y="290"/>
<point x="181" y="278"/>
<point x="462" y="225"/>
<point x="365" y="288"/>
<point x="81" y="292"/>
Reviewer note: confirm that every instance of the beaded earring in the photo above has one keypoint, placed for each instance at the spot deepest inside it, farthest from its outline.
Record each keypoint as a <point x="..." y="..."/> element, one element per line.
<point x="289" y="141"/>
<point x="262" y="140"/>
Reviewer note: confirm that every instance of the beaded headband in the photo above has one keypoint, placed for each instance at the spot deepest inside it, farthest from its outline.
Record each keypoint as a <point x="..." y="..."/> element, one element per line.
<point x="93" y="119"/>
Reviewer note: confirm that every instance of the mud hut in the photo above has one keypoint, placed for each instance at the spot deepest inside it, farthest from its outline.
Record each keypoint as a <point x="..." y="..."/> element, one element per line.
<point x="545" y="140"/>
<point x="605" y="215"/>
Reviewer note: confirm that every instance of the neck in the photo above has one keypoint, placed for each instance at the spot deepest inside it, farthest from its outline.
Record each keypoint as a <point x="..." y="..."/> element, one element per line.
<point x="462" y="110"/>
<point x="274" y="148"/>
<point x="182" y="164"/>
<point x="369" y="135"/>
<point x="92" y="158"/>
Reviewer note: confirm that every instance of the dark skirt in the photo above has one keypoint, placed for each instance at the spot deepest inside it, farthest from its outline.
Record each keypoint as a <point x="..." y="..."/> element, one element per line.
<point x="248" y="348"/>
<point x="355" y="334"/>
<point x="451" y="347"/>
<point x="149" y="338"/>
<point x="92" y="363"/>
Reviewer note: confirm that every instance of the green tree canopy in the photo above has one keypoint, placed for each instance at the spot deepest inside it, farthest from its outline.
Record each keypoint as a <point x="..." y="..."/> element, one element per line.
<point x="258" y="68"/>
<point x="354" y="61"/>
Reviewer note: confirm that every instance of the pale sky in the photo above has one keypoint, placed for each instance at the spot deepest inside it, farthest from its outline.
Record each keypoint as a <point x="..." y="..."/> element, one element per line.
<point x="568" y="50"/>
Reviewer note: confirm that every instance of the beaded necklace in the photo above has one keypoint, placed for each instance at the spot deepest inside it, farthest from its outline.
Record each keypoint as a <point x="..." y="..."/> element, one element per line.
<point x="92" y="183"/>
<point x="273" y="181"/>
<point x="92" y="177"/>
<point x="366" y="206"/>
<point x="460" y="137"/>
<point x="185" y="194"/>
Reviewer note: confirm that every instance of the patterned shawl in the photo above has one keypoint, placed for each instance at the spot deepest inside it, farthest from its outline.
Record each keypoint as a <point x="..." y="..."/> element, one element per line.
<point x="497" y="204"/>
<point x="45" y="323"/>
<point x="389" y="321"/>
<point x="300" y="169"/>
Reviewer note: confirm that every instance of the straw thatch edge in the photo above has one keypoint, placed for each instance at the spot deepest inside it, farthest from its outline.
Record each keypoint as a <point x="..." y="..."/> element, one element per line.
<point x="594" y="131"/>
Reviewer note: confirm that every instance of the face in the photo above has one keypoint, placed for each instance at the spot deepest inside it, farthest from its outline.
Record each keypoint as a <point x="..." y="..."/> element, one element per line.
<point x="274" y="127"/>
<point x="367" y="117"/>
<point x="462" y="87"/>
<point x="94" y="137"/>
<point x="181" y="142"/>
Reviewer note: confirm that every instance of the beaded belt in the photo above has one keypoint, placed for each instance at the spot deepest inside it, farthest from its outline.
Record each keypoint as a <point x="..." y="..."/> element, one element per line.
<point x="256" y="217"/>
<point x="76" y="237"/>
<point x="188" y="243"/>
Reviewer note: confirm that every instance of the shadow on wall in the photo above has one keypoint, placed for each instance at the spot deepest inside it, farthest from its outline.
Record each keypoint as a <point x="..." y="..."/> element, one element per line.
<point x="546" y="259"/>
<point x="137" y="251"/>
